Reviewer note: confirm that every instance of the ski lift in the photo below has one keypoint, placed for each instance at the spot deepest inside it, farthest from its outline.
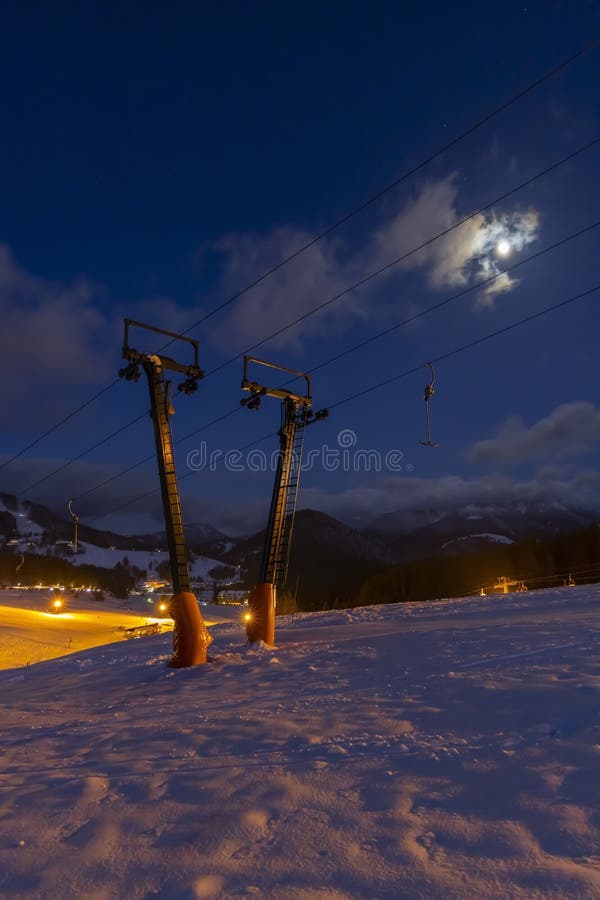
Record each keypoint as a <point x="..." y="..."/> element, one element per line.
<point x="427" y="395"/>
<point x="73" y="515"/>
<point x="75" y="518"/>
<point x="296" y="414"/>
<point x="191" y="638"/>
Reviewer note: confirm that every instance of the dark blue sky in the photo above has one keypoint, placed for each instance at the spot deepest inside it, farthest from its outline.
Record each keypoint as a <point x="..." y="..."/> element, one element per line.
<point x="157" y="158"/>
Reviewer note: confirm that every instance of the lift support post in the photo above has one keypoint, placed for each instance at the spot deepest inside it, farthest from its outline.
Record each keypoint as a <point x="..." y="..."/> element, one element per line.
<point x="296" y="414"/>
<point x="191" y="638"/>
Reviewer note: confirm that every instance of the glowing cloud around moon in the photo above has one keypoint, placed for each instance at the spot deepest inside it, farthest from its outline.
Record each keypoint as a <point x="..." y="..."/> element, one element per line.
<point x="503" y="247"/>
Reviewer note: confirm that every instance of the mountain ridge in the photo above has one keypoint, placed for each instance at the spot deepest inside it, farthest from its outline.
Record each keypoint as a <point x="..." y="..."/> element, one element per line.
<point x="323" y="547"/>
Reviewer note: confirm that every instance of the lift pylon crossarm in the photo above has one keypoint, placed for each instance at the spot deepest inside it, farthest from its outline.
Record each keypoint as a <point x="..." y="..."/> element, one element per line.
<point x="190" y="637"/>
<point x="277" y="392"/>
<point x="171" y="334"/>
<point x="131" y="372"/>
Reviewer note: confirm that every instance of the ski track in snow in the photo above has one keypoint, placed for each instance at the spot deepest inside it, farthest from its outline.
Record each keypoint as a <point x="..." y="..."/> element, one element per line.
<point x="439" y="750"/>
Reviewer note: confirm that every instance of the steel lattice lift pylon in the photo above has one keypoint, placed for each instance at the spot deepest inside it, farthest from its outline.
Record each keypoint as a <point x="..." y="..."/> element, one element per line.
<point x="190" y="637"/>
<point x="296" y="414"/>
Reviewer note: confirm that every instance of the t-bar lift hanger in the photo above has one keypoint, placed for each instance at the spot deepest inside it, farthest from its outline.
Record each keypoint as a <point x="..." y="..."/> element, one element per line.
<point x="428" y="394"/>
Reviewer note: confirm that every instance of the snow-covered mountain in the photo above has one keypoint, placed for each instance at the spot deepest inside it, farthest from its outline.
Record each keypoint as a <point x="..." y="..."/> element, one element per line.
<point x="404" y="521"/>
<point x="315" y="531"/>
<point x="507" y="520"/>
<point x="31" y="528"/>
<point x="327" y="554"/>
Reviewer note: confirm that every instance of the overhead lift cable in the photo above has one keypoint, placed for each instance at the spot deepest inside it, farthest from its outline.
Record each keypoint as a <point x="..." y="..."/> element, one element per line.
<point x="404" y="256"/>
<point x="59" y="424"/>
<point x="402" y="375"/>
<point x="79" y="456"/>
<point x="401" y="179"/>
<point x="146" y="459"/>
<point x="364" y="343"/>
<point x="152" y="491"/>
<point x="344" y="293"/>
<point x="468" y="346"/>
<point x="404" y="322"/>
<point x="447" y="300"/>
<point x="546" y="76"/>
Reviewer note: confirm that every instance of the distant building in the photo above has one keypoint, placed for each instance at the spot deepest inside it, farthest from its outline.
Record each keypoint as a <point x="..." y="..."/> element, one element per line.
<point x="155" y="585"/>
<point x="233" y="598"/>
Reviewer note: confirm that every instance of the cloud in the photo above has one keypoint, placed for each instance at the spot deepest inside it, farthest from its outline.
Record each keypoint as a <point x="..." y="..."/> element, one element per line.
<point x="466" y="255"/>
<point x="76" y="479"/>
<point x="430" y="210"/>
<point x="53" y="335"/>
<point x="569" y="430"/>
<point x="53" y="325"/>
<point x="470" y="252"/>
<point x="102" y="508"/>
<point x="289" y="293"/>
<point x="58" y="342"/>
<point x="358" y="505"/>
<point x="408" y="493"/>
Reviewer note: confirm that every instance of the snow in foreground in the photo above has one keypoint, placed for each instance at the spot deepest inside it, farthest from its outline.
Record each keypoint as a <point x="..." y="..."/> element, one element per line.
<point x="435" y="750"/>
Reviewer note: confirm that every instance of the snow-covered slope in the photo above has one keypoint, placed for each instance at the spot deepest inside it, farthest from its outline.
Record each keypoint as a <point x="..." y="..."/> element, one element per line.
<point x="106" y="557"/>
<point x="29" y="633"/>
<point x="441" y="750"/>
<point x="477" y="539"/>
<point x="23" y="534"/>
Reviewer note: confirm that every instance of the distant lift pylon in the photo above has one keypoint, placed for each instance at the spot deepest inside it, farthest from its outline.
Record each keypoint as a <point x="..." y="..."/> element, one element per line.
<point x="191" y="638"/>
<point x="296" y="415"/>
<point x="75" y="519"/>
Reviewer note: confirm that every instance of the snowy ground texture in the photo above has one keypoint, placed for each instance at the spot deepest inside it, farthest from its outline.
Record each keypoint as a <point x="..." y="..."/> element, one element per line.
<point x="435" y="750"/>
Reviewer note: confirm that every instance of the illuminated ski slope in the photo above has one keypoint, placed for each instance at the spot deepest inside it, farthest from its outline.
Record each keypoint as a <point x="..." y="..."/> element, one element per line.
<point x="442" y="750"/>
<point x="29" y="633"/>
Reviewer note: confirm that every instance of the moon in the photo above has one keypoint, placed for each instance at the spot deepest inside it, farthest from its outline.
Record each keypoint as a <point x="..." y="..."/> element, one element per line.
<point x="503" y="247"/>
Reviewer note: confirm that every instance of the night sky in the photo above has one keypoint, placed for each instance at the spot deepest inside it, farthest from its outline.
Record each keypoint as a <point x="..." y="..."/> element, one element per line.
<point x="157" y="158"/>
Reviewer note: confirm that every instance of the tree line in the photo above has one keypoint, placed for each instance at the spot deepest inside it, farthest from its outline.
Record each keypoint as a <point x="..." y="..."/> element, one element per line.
<point x="538" y="562"/>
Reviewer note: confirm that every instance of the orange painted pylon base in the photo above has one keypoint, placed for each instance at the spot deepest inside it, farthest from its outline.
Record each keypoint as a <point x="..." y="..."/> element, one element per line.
<point x="261" y="624"/>
<point x="191" y="639"/>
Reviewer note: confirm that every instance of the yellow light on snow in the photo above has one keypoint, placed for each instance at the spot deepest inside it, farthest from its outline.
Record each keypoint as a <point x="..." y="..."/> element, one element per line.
<point x="57" y="604"/>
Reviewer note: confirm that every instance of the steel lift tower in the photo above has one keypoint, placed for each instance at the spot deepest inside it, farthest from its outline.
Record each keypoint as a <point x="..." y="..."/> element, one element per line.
<point x="190" y="638"/>
<point x="296" y="414"/>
